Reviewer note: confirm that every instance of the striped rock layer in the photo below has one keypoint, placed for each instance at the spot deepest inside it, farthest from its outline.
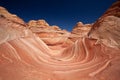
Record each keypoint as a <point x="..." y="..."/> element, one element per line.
<point x="38" y="51"/>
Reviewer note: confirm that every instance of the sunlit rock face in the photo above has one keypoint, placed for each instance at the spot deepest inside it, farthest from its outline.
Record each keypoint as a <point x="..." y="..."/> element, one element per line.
<point x="107" y="28"/>
<point x="80" y="30"/>
<point x="38" y="51"/>
<point x="12" y="17"/>
<point x="52" y="35"/>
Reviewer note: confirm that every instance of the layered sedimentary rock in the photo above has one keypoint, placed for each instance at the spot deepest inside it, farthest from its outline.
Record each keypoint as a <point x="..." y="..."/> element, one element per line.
<point x="38" y="51"/>
<point x="80" y="30"/>
<point x="52" y="35"/>
<point x="7" y="15"/>
<point x="107" y="28"/>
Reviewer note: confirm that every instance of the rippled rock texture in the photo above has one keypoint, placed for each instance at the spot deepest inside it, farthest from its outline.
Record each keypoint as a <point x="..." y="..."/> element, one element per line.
<point x="38" y="51"/>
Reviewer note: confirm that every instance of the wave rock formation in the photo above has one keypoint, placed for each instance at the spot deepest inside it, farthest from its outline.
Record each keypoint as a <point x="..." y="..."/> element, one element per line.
<point x="38" y="51"/>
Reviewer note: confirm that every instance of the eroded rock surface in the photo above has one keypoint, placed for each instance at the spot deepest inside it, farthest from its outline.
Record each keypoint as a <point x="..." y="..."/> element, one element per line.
<point x="38" y="51"/>
<point x="7" y="15"/>
<point x="80" y="30"/>
<point x="107" y="28"/>
<point x="51" y="35"/>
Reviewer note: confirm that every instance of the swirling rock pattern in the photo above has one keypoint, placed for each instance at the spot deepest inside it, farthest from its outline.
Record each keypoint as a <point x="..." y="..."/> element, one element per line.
<point x="28" y="52"/>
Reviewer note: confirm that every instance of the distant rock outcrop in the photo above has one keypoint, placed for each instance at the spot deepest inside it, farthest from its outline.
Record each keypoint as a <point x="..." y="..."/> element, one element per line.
<point x="39" y="23"/>
<point x="80" y="30"/>
<point x="51" y="35"/>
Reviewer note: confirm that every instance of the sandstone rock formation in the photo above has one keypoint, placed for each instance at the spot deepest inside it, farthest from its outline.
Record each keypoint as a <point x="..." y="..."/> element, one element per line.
<point x="38" y="51"/>
<point x="107" y="28"/>
<point x="7" y="15"/>
<point x="80" y="30"/>
<point x="51" y="35"/>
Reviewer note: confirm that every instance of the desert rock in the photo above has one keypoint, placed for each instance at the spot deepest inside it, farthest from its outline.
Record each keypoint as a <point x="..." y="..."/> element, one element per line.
<point x="107" y="28"/>
<point x="39" y="51"/>
<point x="80" y="30"/>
